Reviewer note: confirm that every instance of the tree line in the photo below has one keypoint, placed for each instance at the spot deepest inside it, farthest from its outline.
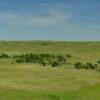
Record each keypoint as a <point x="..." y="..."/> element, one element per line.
<point x="49" y="59"/>
<point x="43" y="59"/>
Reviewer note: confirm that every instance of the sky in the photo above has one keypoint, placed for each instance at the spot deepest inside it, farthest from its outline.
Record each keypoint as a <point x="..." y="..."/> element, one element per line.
<point x="57" y="20"/>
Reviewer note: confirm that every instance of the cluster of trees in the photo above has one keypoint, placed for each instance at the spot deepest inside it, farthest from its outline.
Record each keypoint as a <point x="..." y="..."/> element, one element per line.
<point x="88" y="65"/>
<point x="3" y="55"/>
<point x="44" y="59"/>
<point x="48" y="59"/>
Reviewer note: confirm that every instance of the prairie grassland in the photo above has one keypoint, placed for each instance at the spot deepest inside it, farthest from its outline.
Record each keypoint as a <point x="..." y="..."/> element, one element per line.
<point x="31" y="82"/>
<point x="79" y="50"/>
<point x="35" y="82"/>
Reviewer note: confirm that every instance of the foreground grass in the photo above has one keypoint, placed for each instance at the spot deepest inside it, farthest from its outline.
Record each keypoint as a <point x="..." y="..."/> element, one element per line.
<point x="33" y="82"/>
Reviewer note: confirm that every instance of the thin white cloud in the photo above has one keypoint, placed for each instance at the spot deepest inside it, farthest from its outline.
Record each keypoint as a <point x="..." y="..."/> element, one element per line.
<point x="53" y="17"/>
<point x="93" y="26"/>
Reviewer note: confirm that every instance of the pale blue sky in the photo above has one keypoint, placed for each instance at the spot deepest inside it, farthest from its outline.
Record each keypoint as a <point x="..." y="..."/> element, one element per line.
<point x="71" y="20"/>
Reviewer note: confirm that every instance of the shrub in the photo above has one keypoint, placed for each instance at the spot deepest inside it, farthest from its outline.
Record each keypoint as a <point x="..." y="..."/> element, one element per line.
<point x="96" y="65"/>
<point x="69" y="56"/>
<point x="15" y="56"/>
<point x="61" y="59"/>
<point x="3" y="55"/>
<point x="18" y="61"/>
<point x="78" y="65"/>
<point x="91" y="66"/>
<point x="43" y="63"/>
<point x="54" y="64"/>
<point x="84" y="66"/>
<point x="88" y="65"/>
<point x="45" y="43"/>
<point x="98" y="62"/>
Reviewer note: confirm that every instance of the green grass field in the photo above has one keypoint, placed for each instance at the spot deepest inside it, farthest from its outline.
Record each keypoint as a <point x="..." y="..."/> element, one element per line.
<point x="35" y="82"/>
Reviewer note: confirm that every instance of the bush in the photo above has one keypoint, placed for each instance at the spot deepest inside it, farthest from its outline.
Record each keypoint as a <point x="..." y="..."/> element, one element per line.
<point x="61" y="59"/>
<point x="78" y="65"/>
<point x="96" y="65"/>
<point x="3" y="55"/>
<point x="84" y="66"/>
<point x="15" y="56"/>
<point x="69" y="56"/>
<point x="43" y="63"/>
<point x="88" y="65"/>
<point x="45" y="43"/>
<point x="54" y="64"/>
<point x="18" y="61"/>
<point x="98" y="62"/>
<point x="91" y="66"/>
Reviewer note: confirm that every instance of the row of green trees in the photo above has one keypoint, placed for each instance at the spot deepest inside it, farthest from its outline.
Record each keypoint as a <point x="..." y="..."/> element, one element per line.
<point x="3" y="55"/>
<point x="44" y="59"/>
<point x="88" y="65"/>
<point x="48" y="59"/>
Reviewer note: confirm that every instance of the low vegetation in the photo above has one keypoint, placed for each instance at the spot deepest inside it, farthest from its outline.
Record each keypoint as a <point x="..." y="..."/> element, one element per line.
<point x="88" y="65"/>
<point x="44" y="59"/>
<point x="54" y="60"/>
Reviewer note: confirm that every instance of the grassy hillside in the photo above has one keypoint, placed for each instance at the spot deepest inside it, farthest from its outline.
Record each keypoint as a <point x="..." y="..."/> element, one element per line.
<point x="35" y="82"/>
